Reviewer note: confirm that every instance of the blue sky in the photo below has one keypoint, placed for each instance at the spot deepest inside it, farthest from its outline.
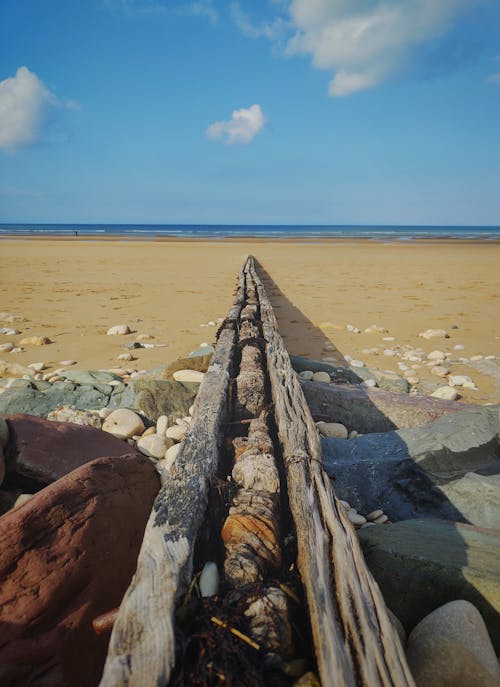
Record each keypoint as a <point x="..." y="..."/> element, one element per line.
<point x="258" y="111"/>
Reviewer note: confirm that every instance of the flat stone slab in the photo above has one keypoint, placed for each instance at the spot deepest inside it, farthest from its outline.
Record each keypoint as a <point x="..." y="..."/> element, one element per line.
<point x="423" y="564"/>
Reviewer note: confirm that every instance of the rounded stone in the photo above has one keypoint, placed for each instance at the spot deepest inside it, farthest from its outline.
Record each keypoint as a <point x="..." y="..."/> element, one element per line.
<point x="334" y="430"/>
<point x="123" y="423"/>
<point x="189" y="376"/>
<point x="154" y="445"/>
<point x="440" y="371"/>
<point x="321" y="376"/>
<point x="161" y="424"/>
<point x="375" y="514"/>
<point x="306" y="375"/>
<point x="176" y="432"/>
<point x="171" y="456"/>
<point x="22" y="499"/>
<point x="209" y="579"/>
<point x="355" y="517"/>
<point x="35" y="341"/>
<point x="118" y="330"/>
<point x="7" y="347"/>
<point x="448" y="393"/>
<point x="436" y="355"/>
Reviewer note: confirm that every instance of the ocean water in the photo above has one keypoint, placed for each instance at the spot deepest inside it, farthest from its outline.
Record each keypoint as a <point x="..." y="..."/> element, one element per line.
<point x="218" y="232"/>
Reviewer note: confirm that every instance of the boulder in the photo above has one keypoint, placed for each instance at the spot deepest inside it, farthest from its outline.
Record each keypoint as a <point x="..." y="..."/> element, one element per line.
<point x="451" y="646"/>
<point x="40" y="451"/>
<point x="422" y="564"/>
<point x="41" y="398"/>
<point x="66" y="557"/>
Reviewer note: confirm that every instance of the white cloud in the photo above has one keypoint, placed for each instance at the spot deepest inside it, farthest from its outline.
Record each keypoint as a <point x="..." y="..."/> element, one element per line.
<point x="25" y="107"/>
<point x="494" y="78"/>
<point x="272" y="30"/>
<point x="363" y="42"/>
<point x="242" y="128"/>
<point x="202" y="8"/>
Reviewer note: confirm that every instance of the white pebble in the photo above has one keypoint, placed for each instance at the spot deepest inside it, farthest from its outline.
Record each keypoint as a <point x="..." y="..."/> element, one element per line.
<point x="440" y="371"/>
<point x="382" y="519"/>
<point x="189" y="376"/>
<point x="334" y="430"/>
<point x="126" y="356"/>
<point x="388" y="338"/>
<point x="191" y="410"/>
<point x="375" y="514"/>
<point x="448" y="393"/>
<point x="355" y="517"/>
<point x="171" y="455"/>
<point x="154" y="445"/>
<point x="321" y="376"/>
<point x="123" y="423"/>
<point x="474" y="358"/>
<point x="370" y="383"/>
<point x="176" y="432"/>
<point x="357" y="363"/>
<point x="161" y="424"/>
<point x="209" y="579"/>
<point x="67" y="363"/>
<point x="389" y="352"/>
<point x="436" y="355"/>
<point x="118" y="330"/>
<point x="458" y="347"/>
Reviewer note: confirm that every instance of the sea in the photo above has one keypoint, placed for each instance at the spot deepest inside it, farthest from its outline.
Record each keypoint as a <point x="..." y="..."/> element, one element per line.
<point x="220" y="232"/>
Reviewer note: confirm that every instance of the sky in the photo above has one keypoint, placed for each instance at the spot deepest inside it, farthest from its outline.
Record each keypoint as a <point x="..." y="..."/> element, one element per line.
<point x="250" y="112"/>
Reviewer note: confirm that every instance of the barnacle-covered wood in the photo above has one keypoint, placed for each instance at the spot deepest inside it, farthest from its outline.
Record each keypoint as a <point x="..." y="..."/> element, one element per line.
<point x="354" y="639"/>
<point x="268" y="614"/>
<point x="142" y="645"/>
<point x="250" y="395"/>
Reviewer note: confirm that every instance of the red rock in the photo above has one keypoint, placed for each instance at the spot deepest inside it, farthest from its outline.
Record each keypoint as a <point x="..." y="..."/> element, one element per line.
<point x="66" y="557"/>
<point x="43" y="451"/>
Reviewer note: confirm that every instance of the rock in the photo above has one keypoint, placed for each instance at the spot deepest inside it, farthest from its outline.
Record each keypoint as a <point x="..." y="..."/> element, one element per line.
<point x="126" y="356"/>
<point x="451" y="646"/>
<point x="41" y="451"/>
<point x="67" y="363"/>
<point x="391" y="381"/>
<point x="196" y="362"/>
<point x="338" y="373"/>
<point x="476" y="497"/>
<point x="440" y="371"/>
<point x="162" y="424"/>
<point x="434" y="333"/>
<point x="90" y="377"/>
<point x="9" y="331"/>
<point x="162" y="397"/>
<point x="389" y="352"/>
<point x="6" y="347"/>
<point x="422" y="564"/>
<point x="36" y="400"/>
<point x="381" y="520"/>
<point x="306" y="375"/>
<point x="38" y="367"/>
<point x="447" y="393"/>
<point x="375" y="329"/>
<point x="374" y="514"/>
<point x="189" y="376"/>
<point x="22" y="499"/>
<point x="176" y="432"/>
<point x="460" y="380"/>
<point x="355" y="517"/>
<point x="370" y="383"/>
<point x="436" y="355"/>
<point x="59" y="571"/>
<point x="154" y="445"/>
<point x="4" y="433"/>
<point x="123" y="423"/>
<point x="332" y="429"/>
<point x="171" y="456"/>
<point x="35" y="341"/>
<point x="202" y="351"/>
<point x="209" y="579"/>
<point x="144" y="337"/>
<point x="118" y="330"/>
<point x="357" y="363"/>
<point x="77" y="417"/>
<point x="321" y="376"/>
<point x="15" y="370"/>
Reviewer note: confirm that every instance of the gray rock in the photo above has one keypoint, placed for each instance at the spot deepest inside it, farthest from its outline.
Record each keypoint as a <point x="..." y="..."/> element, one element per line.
<point x="31" y="401"/>
<point x="451" y="646"/>
<point x="163" y="397"/>
<point x="90" y="377"/>
<point x="202" y="351"/>
<point x="422" y="564"/>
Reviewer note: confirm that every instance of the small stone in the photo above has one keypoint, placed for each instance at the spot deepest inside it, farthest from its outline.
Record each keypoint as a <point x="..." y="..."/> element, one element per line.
<point x="459" y="380"/>
<point x="388" y="338"/>
<point x="381" y="519"/>
<point x="436" y="355"/>
<point x="171" y="455"/>
<point x="35" y="341"/>
<point x="126" y="356"/>
<point x="389" y="352"/>
<point x="209" y="579"/>
<point x="355" y="517"/>
<point x="123" y="423"/>
<point x="321" y="376"/>
<point x="370" y="383"/>
<point x="154" y="445"/>
<point x="189" y="376"/>
<point x="475" y="358"/>
<point x="176" y="432"/>
<point x="413" y="380"/>
<point x="161" y="424"/>
<point x="306" y="375"/>
<point x="22" y="499"/>
<point x="451" y="646"/>
<point x="7" y="347"/>
<point x="375" y="329"/>
<point x="147" y="432"/>
<point x="353" y="434"/>
<point x="440" y="371"/>
<point x="104" y="413"/>
<point x="67" y="363"/>
<point x="458" y="347"/>
<point x="334" y="430"/>
<point x="144" y="337"/>
<point x="118" y="330"/>
<point x="434" y="333"/>
<point x="357" y="363"/>
<point x="344" y="504"/>
<point x="374" y="514"/>
<point x="448" y="393"/>
<point x="328" y="346"/>
<point x="191" y="410"/>
<point x="38" y="367"/>
<point x="55" y="378"/>
<point x="9" y="331"/>
<point x="370" y="351"/>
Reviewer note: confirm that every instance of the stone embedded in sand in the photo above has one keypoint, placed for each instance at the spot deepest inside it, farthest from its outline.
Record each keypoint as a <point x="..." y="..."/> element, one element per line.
<point x="144" y="337"/>
<point x="66" y="557"/>
<point x="126" y="356"/>
<point x="448" y="393"/>
<point x="451" y="646"/>
<point x="7" y="347"/>
<point x="321" y="376"/>
<point x="434" y="333"/>
<point x="188" y="376"/>
<point x="436" y="355"/>
<point x="38" y="367"/>
<point x="67" y="363"/>
<point x="389" y="352"/>
<point x="375" y="329"/>
<point x="458" y="347"/>
<point x="357" y="363"/>
<point x="154" y="445"/>
<point x="118" y="330"/>
<point x="334" y="430"/>
<point x="123" y="423"/>
<point x="15" y="370"/>
<point x="460" y="380"/>
<point x="9" y="331"/>
<point x="35" y="341"/>
<point x="440" y="371"/>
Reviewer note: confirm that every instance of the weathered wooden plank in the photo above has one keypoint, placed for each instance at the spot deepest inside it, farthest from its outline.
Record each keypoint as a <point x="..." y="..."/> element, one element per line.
<point x="354" y="639"/>
<point x="142" y="646"/>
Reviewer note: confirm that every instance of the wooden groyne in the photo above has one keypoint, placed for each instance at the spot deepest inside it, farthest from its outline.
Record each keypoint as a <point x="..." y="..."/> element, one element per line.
<point x="248" y="491"/>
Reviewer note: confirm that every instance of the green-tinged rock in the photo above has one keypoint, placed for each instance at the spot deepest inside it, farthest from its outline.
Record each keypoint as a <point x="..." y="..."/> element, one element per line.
<point x="90" y="377"/>
<point x="163" y="397"/>
<point x="422" y="564"/>
<point x="30" y="401"/>
<point x="199" y="363"/>
<point x="391" y="381"/>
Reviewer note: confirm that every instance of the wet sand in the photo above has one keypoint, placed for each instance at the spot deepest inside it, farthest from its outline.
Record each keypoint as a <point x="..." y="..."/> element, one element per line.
<point x="73" y="290"/>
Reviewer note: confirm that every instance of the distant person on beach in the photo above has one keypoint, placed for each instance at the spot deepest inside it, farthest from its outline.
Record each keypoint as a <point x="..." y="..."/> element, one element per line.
<point x="76" y="233"/>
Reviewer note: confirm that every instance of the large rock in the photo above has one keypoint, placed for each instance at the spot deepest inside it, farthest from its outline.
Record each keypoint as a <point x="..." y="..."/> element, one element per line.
<point x="66" y="557"/>
<point x="422" y="564"/>
<point x="41" y="451"/>
<point x="45" y="399"/>
<point x="90" y="377"/>
<point x="451" y="646"/>
<point x="164" y="397"/>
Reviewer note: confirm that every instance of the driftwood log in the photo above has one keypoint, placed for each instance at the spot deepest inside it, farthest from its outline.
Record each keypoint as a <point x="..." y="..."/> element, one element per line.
<point x="354" y="639"/>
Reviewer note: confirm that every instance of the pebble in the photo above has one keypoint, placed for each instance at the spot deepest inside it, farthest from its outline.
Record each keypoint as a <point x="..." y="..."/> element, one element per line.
<point x="370" y="351"/>
<point x="375" y="329"/>
<point x="176" y="432"/>
<point x="126" y="356"/>
<point x="123" y="423"/>
<point x="370" y="383"/>
<point x="171" y="455"/>
<point x="118" y="330"/>
<point x="105" y="412"/>
<point x="451" y="646"/>
<point x="355" y="517"/>
<point x="22" y="499"/>
<point x="149" y="431"/>
<point x="321" y="376"/>
<point x="187" y="419"/>
<point x="67" y="363"/>
<point x="448" y="393"/>
<point x="434" y="333"/>
<point x="55" y="378"/>
<point x="413" y="380"/>
<point x="191" y="410"/>
<point x="328" y="346"/>
<point x="9" y="331"/>
<point x="189" y="376"/>
<point x="209" y="579"/>
<point x="474" y="358"/>
<point x="436" y="355"/>
<point x="440" y="371"/>
<point x="458" y="347"/>
<point x="460" y="380"/>
<point x="306" y="375"/>
<point x="389" y="352"/>
<point x="17" y="350"/>
<point x="144" y="337"/>
<point x="154" y="445"/>
<point x="38" y="367"/>
<point x="388" y="338"/>
<point x="353" y="329"/>
<point x="344" y="504"/>
<point x="7" y="347"/>
<point x="162" y="424"/>
<point x="381" y="519"/>
<point x="353" y="434"/>
<point x="357" y="363"/>
<point x="374" y="514"/>
<point x="35" y="341"/>
<point x="334" y="430"/>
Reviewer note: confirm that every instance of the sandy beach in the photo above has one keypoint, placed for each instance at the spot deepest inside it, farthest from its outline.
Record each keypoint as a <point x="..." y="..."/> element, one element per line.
<point x="73" y="290"/>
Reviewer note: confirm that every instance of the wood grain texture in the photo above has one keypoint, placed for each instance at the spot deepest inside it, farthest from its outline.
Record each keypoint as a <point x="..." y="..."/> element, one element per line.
<point x="142" y="645"/>
<point x="354" y="639"/>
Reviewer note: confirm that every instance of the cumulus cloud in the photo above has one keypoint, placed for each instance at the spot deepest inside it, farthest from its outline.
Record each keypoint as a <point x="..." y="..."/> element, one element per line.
<point x="241" y="129"/>
<point x="273" y="30"/>
<point x="25" y="107"/>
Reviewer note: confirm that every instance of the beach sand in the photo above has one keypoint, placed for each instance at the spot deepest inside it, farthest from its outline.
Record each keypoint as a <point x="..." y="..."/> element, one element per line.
<point x="73" y="290"/>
